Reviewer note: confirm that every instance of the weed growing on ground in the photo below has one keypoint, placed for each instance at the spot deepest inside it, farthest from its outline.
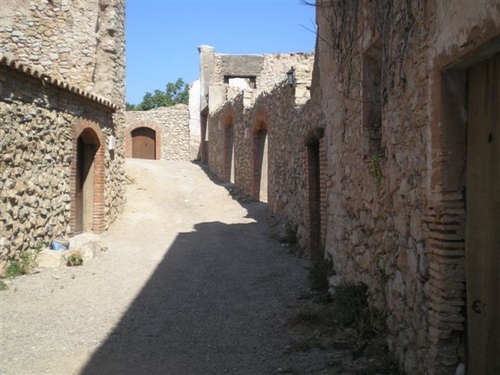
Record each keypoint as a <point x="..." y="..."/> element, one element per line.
<point x="346" y="322"/>
<point x="74" y="260"/>
<point x="14" y="268"/>
<point x="3" y="286"/>
<point x="26" y="262"/>
<point x="321" y="268"/>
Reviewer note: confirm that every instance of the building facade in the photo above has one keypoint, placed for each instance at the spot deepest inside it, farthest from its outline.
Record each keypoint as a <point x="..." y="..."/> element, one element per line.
<point x="410" y="98"/>
<point x="390" y="169"/>
<point x="61" y="104"/>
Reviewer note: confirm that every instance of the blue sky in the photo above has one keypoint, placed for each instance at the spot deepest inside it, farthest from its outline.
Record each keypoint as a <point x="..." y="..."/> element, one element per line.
<point x="163" y="35"/>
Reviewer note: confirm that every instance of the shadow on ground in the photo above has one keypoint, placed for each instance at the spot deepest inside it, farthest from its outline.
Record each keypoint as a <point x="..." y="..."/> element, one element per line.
<point x="214" y="305"/>
<point x="236" y="193"/>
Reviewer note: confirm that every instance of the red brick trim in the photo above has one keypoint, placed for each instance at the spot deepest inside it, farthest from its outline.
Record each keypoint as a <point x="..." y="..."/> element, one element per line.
<point x="445" y="220"/>
<point x="260" y="121"/>
<point x="142" y="124"/>
<point x="90" y="130"/>
<point x="228" y="115"/>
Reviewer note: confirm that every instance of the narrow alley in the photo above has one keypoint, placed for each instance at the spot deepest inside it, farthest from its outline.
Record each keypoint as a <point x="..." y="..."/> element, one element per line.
<point x="190" y="283"/>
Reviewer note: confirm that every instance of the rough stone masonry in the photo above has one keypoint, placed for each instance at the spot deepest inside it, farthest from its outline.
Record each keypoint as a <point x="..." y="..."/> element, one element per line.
<point x="61" y="107"/>
<point x="375" y="170"/>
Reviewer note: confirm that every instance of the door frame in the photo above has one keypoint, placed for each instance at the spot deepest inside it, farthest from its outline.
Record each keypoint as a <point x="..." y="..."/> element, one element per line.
<point x="446" y="211"/>
<point x="260" y="162"/>
<point x="152" y="136"/>
<point x="143" y="124"/>
<point x="89" y="133"/>
<point x="85" y="183"/>
<point x="316" y="160"/>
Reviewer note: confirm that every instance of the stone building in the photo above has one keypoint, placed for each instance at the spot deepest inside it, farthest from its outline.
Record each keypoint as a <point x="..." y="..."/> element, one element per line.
<point x="158" y="134"/>
<point x="194" y="120"/>
<point x="236" y="116"/>
<point x="391" y="168"/>
<point x="61" y="101"/>
<point x="410" y="98"/>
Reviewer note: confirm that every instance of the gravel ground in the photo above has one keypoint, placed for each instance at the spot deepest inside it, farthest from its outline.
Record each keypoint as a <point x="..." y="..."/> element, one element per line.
<point x="191" y="283"/>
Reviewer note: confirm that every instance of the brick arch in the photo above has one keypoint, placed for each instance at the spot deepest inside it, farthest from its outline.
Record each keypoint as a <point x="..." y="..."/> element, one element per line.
<point x="260" y="121"/>
<point x="142" y="124"/>
<point x="316" y="160"/>
<point x="228" y="115"/>
<point x="259" y="155"/>
<point x="89" y="131"/>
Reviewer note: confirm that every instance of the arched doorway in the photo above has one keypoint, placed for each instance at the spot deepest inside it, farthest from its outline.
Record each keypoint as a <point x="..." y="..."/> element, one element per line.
<point x="316" y="186"/>
<point x="260" y="163"/>
<point x="85" y="181"/>
<point x="314" y="200"/>
<point x="144" y="143"/>
<point x="229" y="154"/>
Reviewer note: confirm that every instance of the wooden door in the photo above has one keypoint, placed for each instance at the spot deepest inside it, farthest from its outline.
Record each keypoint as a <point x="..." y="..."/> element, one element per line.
<point x="144" y="143"/>
<point x="79" y="187"/>
<point x="483" y="218"/>
<point x="314" y="201"/>
<point x="88" y="187"/>
<point x="84" y="197"/>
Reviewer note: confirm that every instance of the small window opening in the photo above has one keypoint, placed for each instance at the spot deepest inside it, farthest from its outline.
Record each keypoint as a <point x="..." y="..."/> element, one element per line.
<point x="250" y="81"/>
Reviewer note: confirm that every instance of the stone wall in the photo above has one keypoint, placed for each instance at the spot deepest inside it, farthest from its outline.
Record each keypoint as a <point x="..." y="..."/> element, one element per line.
<point x="285" y="114"/>
<point x="172" y="124"/>
<point x="81" y="42"/>
<point x="257" y="72"/>
<point x="385" y="132"/>
<point x="40" y="122"/>
<point x="269" y="69"/>
<point x="276" y="66"/>
<point x="375" y="214"/>
<point x="235" y="113"/>
<point x="59" y="59"/>
<point x="395" y="213"/>
<point x="194" y="120"/>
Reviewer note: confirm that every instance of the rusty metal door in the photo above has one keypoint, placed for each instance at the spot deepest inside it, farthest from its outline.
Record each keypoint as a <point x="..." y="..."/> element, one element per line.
<point x="144" y="143"/>
<point x="483" y="218"/>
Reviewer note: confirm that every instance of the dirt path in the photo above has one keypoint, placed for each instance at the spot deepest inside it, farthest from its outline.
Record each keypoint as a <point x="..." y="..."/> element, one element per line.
<point x="190" y="284"/>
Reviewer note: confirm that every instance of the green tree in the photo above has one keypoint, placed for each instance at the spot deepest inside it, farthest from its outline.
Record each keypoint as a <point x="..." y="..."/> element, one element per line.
<point x="178" y="92"/>
<point x="174" y="93"/>
<point x="130" y="107"/>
